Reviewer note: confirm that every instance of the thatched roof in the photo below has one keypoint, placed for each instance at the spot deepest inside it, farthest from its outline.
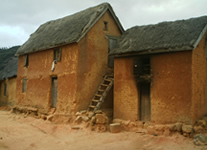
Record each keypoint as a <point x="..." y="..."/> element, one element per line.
<point x="66" y="30"/>
<point x="9" y="63"/>
<point x="179" y="35"/>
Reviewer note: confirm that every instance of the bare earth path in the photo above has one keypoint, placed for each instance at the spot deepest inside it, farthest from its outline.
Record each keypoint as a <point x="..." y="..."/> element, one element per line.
<point x="19" y="133"/>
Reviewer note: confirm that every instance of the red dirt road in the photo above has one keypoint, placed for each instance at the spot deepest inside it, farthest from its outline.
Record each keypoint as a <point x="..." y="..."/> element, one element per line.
<point x="19" y="133"/>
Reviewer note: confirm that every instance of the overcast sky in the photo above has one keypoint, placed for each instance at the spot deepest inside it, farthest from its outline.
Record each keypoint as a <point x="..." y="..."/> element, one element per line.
<point x="20" y="18"/>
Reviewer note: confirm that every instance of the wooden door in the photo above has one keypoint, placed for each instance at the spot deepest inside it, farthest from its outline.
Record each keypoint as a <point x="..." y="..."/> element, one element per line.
<point x="54" y="92"/>
<point x="112" y="44"/>
<point x="145" y="104"/>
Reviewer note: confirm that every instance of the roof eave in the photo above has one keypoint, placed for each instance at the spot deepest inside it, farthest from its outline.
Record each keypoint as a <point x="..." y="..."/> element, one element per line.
<point x="200" y="37"/>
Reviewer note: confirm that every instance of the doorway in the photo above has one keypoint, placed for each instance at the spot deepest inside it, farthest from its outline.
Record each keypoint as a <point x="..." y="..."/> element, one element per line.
<point x="54" y="92"/>
<point x="144" y="102"/>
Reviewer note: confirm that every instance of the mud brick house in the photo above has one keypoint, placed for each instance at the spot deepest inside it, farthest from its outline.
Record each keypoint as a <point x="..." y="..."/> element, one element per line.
<point x="8" y="74"/>
<point x="64" y="61"/>
<point x="160" y="72"/>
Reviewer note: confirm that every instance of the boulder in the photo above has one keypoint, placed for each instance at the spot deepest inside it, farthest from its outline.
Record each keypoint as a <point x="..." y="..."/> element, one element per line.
<point x="187" y="129"/>
<point x="201" y="123"/>
<point x="198" y="129"/>
<point x="151" y="130"/>
<point x="115" y="127"/>
<point x="200" y="139"/>
<point x="178" y="126"/>
<point x="101" y="119"/>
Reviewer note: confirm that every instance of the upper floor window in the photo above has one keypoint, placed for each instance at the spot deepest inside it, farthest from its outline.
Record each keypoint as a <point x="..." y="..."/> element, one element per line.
<point x="57" y="54"/>
<point x="105" y="26"/>
<point x="26" y="60"/>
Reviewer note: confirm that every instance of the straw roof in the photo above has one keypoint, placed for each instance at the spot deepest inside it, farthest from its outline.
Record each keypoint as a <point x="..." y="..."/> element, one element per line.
<point x="66" y="30"/>
<point x="9" y="63"/>
<point x="179" y="35"/>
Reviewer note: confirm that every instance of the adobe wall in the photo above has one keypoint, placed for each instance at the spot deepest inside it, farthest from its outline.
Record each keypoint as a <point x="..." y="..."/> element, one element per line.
<point x="171" y="87"/>
<point x="39" y="76"/>
<point x="10" y="98"/>
<point x="199" y="99"/>
<point x="125" y="90"/>
<point x="93" y="60"/>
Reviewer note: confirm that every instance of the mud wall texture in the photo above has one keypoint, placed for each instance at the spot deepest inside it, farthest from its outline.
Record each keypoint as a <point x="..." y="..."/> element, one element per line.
<point x="171" y="87"/>
<point x="10" y="98"/>
<point x="125" y="90"/>
<point x="39" y="75"/>
<point x="79" y="72"/>
<point x="199" y="85"/>
<point x="93" y="60"/>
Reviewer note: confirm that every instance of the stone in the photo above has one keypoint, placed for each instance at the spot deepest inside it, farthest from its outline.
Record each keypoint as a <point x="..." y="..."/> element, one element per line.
<point x="171" y="127"/>
<point x="151" y="130"/>
<point x="125" y="122"/>
<point x="146" y="124"/>
<point x="200" y="139"/>
<point x="187" y="128"/>
<point x="198" y="129"/>
<point x="43" y="117"/>
<point x="99" y="112"/>
<point x="85" y="118"/>
<point x="83" y="112"/>
<point x="115" y="127"/>
<point x="93" y="119"/>
<point x="166" y="132"/>
<point x="50" y="117"/>
<point x="101" y="119"/>
<point x="132" y="124"/>
<point x="78" y="119"/>
<point x="140" y="124"/>
<point x="78" y="114"/>
<point x="178" y="126"/>
<point x="117" y="121"/>
<point x="201" y="123"/>
<point x="100" y="128"/>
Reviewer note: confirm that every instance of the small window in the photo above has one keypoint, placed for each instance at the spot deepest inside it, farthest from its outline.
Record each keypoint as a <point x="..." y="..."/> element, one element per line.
<point x="5" y="89"/>
<point x="105" y="26"/>
<point x="26" y="61"/>
<point x="24" y="85"/>
<point x="57" y="54"/>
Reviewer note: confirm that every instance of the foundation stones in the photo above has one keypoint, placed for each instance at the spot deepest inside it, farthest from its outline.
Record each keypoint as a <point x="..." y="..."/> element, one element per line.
<point x="115" y="127"/>
<point x="187" y="129"/>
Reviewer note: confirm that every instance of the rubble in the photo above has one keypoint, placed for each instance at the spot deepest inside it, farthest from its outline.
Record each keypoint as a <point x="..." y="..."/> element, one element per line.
<point x="115" y="127"/>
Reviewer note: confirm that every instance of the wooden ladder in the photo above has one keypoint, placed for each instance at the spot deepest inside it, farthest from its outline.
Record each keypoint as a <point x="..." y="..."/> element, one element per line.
<point x="101" y="93"/>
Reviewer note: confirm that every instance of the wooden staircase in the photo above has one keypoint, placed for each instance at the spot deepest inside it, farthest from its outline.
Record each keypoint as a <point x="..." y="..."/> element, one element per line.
<point x="101" y="93"/>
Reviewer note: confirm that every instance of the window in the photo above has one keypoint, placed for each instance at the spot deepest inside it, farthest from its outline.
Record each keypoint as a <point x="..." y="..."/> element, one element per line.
<point x="5" y="89"/>
<point x="26" y="61"/>
<point x="57" y="54"/>
<point x="24" y="85"/>
<point x="105" y="26"/>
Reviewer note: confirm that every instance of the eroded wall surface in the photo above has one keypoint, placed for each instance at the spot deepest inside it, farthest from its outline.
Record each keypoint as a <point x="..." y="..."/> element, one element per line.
<point x="93" y="60"/>
<point x="199" y="86"/>
<point x="171" y="87"/>
<point x="10" y="97"/>
<point x="125" y="90"/>
<point x="39" y="74"/>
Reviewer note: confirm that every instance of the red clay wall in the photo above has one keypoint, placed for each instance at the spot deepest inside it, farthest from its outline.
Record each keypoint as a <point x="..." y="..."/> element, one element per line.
<point x="125" y="90"/>
<point x="39" y="76"/>
<point x="199" y="99"/>
<point x="10" y="98"/>
<point x="93" y="60"/>
<point x="171" y="87"/>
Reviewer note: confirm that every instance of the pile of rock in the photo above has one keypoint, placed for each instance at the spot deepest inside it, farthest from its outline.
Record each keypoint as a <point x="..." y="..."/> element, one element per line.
<point x="27" y="111"/>
<point x="97" y="121"/>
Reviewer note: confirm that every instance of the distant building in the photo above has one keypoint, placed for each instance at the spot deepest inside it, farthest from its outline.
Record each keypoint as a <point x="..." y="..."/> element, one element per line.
<point x="64" y="61"/>
<point x="8" y="74"/>
<point x="160" y="72"/>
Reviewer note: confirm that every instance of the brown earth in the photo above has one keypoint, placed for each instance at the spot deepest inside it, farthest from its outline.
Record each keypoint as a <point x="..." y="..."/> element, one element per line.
<point x="20" y="133"/>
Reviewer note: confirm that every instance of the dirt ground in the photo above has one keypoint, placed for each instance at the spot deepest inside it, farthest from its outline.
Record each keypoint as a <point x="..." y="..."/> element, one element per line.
<point x="19" y="133"/>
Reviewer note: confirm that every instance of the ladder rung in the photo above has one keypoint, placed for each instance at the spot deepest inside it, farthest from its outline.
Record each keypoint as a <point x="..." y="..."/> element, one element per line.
<point x="109" y="80"/>
<point x="98" y="95"/>
<point x="104" y="84"/>
<point x="101" y="90"/>
<point x="91" y="106"/>
<point x="95" y="100"/>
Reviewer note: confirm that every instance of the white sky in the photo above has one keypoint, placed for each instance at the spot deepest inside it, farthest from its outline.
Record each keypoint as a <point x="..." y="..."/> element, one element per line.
<point x="20" y="18"/>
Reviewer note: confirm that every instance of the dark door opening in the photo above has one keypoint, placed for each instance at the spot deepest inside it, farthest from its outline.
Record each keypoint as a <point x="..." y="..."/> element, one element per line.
<point x="54" y="92"/>
<point x="144" y="102"/>
<point x="112" y="44"/>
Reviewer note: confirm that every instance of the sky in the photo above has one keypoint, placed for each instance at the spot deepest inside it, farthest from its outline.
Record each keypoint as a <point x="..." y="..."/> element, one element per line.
<point x="20" y="18"/>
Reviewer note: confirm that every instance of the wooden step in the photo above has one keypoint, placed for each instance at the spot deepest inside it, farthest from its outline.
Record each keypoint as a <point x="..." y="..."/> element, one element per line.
<point x="104" y="85"/>
<point x="100" y="90"/>
<point x="91" y="106"/>
<point x="98" y="95"/>
<point x="95" y="100"/>
<point x="109" y="80"/>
